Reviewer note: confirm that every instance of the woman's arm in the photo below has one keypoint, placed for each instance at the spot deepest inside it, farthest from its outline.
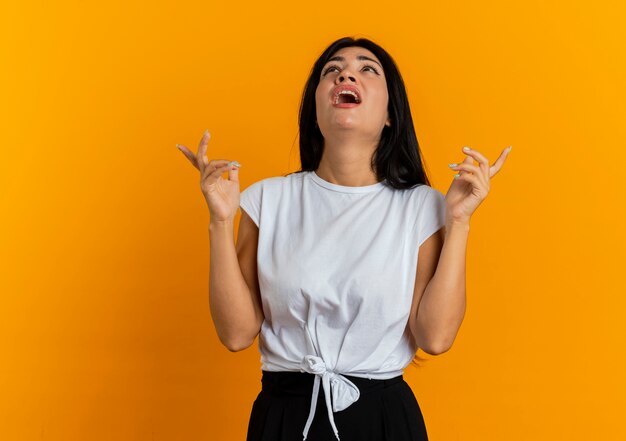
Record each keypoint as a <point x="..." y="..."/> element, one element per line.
<point x="439" y="302"/>
<point x="440" y="308"/>
<point x="234" y="295"/>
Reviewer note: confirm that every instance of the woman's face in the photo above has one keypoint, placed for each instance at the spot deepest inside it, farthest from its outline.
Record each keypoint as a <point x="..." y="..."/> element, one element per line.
<point x="353" y="70"/>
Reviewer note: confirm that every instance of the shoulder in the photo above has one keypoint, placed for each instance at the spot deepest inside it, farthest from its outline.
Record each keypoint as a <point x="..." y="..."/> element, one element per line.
<point x="423" y="194"/>
<point x="262" y="184"/>
<point x="276" y="181"/>
<point x="426" y="191"/>
<point x="433" y="197"/>
<point x="275" y="185"/>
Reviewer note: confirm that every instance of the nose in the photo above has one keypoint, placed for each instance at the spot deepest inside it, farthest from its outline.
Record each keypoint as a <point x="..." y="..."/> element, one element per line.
<point x="343" y="76"/>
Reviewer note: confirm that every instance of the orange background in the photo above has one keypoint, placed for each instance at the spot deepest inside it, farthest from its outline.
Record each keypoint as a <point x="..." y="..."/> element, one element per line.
<point x="105" y="328"/>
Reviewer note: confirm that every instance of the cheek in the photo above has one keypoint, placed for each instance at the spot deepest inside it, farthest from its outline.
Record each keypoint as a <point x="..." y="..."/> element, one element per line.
<point x="385" y="98"/>
<point x="382" y="100"/>
<point x="318" y="99"/>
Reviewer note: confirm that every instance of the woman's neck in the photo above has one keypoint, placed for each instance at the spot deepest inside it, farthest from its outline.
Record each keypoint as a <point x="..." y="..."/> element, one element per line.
<point x="347" y="162"/>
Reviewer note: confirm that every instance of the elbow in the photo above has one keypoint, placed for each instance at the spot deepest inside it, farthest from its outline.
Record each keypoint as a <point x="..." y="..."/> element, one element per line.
<point x="433" y="346"/>
<point x="240" y="340"/>
<point x="441" y="341"/>
<point x="437" y="347"/>
<point x="239" y="343"/>
<point x="236" y="346"/>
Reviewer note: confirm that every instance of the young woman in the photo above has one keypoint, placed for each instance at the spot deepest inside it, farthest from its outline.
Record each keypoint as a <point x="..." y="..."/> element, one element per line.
<point x="346" y="267"/>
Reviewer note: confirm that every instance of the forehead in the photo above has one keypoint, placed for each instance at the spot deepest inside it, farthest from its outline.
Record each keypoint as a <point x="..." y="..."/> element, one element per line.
<point x="353" y="52"/>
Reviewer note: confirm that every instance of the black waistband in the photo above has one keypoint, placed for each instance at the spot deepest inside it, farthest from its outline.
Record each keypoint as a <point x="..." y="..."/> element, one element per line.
<point x="289" y="383"/>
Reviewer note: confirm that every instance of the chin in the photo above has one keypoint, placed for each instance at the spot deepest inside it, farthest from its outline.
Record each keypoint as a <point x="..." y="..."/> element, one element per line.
<point x="342" y="128"/>
<point x="347" y="122"/>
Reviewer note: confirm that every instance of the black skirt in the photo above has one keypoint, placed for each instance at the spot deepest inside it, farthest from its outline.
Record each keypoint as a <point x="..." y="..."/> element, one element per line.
<point x="386" y="410"/>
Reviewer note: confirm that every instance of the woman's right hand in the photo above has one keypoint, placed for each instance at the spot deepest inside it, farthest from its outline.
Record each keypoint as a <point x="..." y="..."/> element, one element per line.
<point x="221" y="195"/>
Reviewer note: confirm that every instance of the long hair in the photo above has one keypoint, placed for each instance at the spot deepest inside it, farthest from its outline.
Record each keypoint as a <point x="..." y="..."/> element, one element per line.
<point x="397" y="157"/>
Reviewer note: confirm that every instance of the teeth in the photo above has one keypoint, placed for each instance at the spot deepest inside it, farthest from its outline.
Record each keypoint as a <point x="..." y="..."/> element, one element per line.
<point x="347" y="92"/>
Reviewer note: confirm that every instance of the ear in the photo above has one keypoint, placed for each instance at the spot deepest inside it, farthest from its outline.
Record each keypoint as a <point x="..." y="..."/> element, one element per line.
<point x="388" y="123"/>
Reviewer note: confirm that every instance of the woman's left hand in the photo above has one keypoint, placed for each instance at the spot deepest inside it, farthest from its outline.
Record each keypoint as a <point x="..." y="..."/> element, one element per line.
<point x="471" y="187"/>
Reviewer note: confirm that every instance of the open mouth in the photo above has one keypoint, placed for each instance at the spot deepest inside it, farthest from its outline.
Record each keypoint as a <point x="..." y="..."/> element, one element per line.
<point x="346" y="97"/>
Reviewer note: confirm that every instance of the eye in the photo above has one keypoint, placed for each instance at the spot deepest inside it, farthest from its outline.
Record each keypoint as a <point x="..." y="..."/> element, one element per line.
<point x="329" y="68"/>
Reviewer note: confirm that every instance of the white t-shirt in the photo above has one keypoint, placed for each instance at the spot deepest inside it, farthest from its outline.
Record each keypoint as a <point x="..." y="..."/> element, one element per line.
<point x="336" y="267"/>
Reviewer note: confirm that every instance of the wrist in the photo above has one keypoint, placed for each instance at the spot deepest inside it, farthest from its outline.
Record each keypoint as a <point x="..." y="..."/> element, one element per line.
<point x="458" y="224"/>
<point x="218" y="225"/>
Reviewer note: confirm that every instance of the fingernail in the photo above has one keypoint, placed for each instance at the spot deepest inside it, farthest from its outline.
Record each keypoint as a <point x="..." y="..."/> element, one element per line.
<point x="510" y="147"/>
<point x="452" y="165"/>
<point x="467" y="149"/>
<point x="206" y="132"/>
<point x="178" y="146"/>
<point x="235" y="163"/>
<point x="457" y="175"/>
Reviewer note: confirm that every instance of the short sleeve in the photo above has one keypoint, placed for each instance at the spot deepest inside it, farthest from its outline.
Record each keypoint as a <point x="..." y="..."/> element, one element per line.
<point x="432" y="214"/>
<point x="250" y="201"/>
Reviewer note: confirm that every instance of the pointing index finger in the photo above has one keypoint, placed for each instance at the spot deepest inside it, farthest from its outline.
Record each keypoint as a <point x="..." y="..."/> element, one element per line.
<point x="202" y="148"/>
<point x="495" y="168"/>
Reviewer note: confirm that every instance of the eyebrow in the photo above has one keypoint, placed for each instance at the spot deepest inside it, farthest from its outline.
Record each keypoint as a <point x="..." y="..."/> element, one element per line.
<point x="359" y="57"/>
